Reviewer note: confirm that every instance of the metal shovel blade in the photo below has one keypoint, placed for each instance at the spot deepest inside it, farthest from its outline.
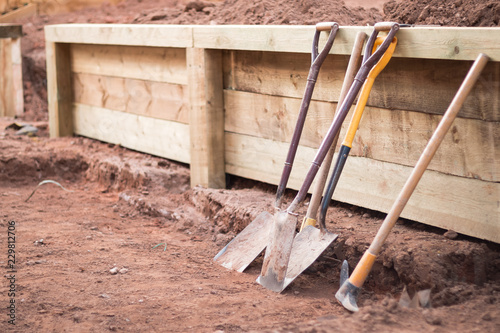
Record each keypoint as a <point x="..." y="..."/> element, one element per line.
<point x="307" y="247"/>
<point x="278" y="251"/>
<point x="247" y="245"/>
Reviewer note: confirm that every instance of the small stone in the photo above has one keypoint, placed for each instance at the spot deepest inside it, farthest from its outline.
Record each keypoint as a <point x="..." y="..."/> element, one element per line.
<point x="430" y="318"/>
<point x="140" y="301"/>
<point x="487" y="317"/>
<point x="103" y="296"/>
<point x="88" y="237"/>
<point x="450" y="234"/>
<point x="366" y="215"/>
<point x="349" y="215"/>
<point x="123" y="271"/>
<point x="366" y="317"/>
<point x="114" y="270"/>
<point x="93" y="228"/>
<point x="296" y="292"/>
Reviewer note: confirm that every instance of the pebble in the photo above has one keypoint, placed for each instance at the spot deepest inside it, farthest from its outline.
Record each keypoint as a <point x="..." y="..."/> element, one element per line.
<point x="104" y="296"/>
<point x="430" y="318"/>
<point x="450" y="234"/>
<point x="123" y="271"/>
<point x="487" y="317"/>
<point x="349" y="215"/>
<point x="366" y="215"/>
<point x="114" y="270"/>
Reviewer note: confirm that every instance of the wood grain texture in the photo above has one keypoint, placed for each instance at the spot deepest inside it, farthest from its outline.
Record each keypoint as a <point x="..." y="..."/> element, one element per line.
<point x="407" y="84"/>
<point x="471" y="149"/>
<point x="153" y="136"/>
<point x="148" y="98"/>
<point x="19" y="13"/>
<point x="7" y="106"/>
<point x="59" y="90"/>
<point x="467" y="206"/>
<point x="144" y="63"/>
<point x="160" y="35"/>
<point x="417" y="42"/>
<point x="206" y="118"/>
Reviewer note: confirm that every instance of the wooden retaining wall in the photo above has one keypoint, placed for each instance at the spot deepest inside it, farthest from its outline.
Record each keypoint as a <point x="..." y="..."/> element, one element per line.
<point x="225" y="98"/>
<point x="11" y="71"/>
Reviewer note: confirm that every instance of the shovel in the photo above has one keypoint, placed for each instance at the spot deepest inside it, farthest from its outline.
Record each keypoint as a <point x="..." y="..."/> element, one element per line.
<point x="247" y="245"/>
<point x="345" y="148"/>
<point x="312" y="209"/>
<point x="279" y="246"/>
<point x="311" y="242"/>
<point x="350" y="286"/>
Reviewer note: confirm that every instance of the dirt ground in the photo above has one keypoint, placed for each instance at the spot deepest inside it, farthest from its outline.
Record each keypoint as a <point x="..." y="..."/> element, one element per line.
<point x="86" y="260"/>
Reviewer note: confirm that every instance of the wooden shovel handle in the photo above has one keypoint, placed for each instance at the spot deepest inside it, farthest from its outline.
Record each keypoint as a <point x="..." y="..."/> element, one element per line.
<point x="428" y="154"/>
<point x="312" y="210"/>
<point x="365" y="265"/>
<point x="326" y="26"/>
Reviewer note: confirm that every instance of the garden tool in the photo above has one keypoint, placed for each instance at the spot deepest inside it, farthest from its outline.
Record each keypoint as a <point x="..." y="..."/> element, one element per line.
<point x="350" y="286"/>
<point x="311" y="242"/>
<point x="280" y="242"/>
<point x="345" y="148"/>
<point x="248" y="244"/>
<point x="312" y="209"/>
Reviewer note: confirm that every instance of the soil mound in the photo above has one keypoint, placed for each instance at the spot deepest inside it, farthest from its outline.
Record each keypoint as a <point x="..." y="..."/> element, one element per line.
<point x="459" y="13"/>
<point x="263" y="12"/>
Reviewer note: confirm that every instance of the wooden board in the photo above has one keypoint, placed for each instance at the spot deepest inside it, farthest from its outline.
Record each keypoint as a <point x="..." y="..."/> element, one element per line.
<point x="406" y="84"/>
<point x="11" y="30"/>
<point x="416" y="42"/>
<point x="465" y="205"/>
<point x="159" y="35"/>
<point x="59" y="90"/>
<point x="472" y="149"/>
<point x="148" y="98"/>
<point x="6" y="79"/>
<point x="153" y="136"/>
<point x="206" y="118"/>
<point x="19" y="13"/>
<point x="145" y="63"/>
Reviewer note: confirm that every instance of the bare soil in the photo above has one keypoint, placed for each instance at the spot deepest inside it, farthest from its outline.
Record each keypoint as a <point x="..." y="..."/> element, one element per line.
<point x="124" y="203"/>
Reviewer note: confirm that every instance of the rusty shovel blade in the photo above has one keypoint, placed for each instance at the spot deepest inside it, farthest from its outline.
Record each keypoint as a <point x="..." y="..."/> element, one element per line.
<point x="278" y="251"/>
<point x="308" y="245"/>
<point x="247" y="245"/>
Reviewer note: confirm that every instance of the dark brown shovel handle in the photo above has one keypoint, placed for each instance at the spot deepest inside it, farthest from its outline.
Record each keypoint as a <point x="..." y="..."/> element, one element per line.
<point x="316" y="62"/>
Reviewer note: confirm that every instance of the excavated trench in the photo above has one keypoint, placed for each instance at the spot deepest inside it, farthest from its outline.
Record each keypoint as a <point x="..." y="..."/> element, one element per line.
<point x="415" y="255"/>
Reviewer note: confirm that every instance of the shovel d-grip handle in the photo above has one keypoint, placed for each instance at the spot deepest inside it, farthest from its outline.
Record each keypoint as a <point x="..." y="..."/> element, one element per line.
<point x="368" y="62"/>
<point x="347" y="294"/>
<point x="317" y="60"/>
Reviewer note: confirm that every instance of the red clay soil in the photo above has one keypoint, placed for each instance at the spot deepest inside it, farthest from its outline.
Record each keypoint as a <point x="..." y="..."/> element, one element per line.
<point x="86" y="260"/>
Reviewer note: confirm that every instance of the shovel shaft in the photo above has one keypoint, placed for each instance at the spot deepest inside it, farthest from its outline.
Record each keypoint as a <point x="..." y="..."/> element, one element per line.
<point x="317" y="61"/>
<point x="363" y="268"/>
<point x="325" y="167"/>
<point x="368" y="62"/>
<point x="428" y="154"/>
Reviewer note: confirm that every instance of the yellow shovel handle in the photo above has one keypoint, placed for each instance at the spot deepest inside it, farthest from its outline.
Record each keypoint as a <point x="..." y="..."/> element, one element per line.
<point x="366" y="89"/>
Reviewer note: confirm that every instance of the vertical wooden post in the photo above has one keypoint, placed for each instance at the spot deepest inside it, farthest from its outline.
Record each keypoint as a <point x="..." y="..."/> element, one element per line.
<point x="17" y="76"/>
<point x="11" y="80"/>
<point x="206" y="119"/>
<point x="59" y="89"/>
<point x="6" y="101"/>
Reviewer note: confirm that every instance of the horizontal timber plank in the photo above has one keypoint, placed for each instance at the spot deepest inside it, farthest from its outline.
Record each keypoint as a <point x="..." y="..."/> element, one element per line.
<point x="121" y="34"/>
<point x="407" y="84"/>
<point x="145" y="63"/>
<point x="153" y="136"/>
<point x="417" y="42"/>
<point x="471" y="149"/>
<point x="468" y="206"/>
<point x="11" y="30"/>
<point x="147" y="98"/>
